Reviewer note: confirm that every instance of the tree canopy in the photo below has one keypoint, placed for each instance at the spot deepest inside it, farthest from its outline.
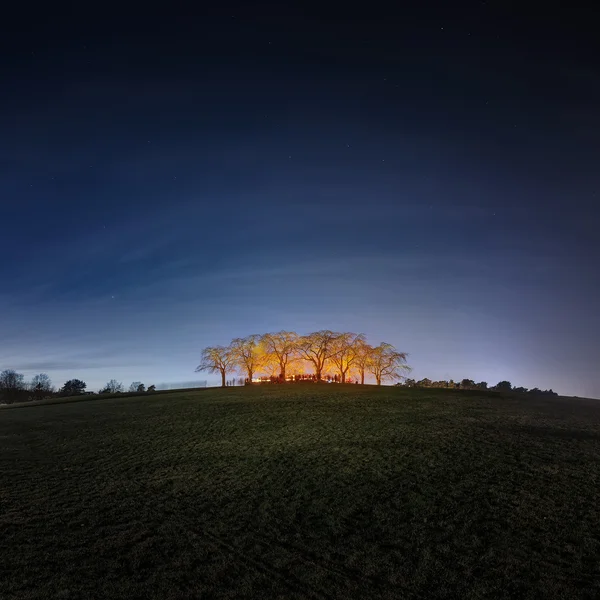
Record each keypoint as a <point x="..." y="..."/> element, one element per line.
<point x="217" y="359"/>
<point x="347" y="347"/>
<point x="11" y="381"/>
<point x="281" y="348"/>
<point x="73" y="387"/>
<point x="386" y="363"/>
<point x="247" y="354"/>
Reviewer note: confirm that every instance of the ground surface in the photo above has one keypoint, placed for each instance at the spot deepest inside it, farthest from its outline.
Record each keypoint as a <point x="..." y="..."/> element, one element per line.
<point x="305" y="492"/>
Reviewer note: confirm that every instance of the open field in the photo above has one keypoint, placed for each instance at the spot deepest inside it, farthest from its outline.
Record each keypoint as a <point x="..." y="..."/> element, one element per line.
<point x="301" y="492"/>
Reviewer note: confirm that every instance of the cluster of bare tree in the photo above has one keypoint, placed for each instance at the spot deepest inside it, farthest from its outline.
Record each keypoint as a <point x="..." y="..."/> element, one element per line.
<point x="285" y="354"/>
<point x="14" y="388"/>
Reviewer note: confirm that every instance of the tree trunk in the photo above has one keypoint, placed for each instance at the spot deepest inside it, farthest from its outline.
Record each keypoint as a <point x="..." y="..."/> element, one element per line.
<point x="223" y="378"/>
<point x="318" y="374"/>
<point x="282" y="373"/>
<point x="362" y="377"/>
<point x="378" y="378"/>
<point x="343" y="376"/>
<point x="250" y="373"/>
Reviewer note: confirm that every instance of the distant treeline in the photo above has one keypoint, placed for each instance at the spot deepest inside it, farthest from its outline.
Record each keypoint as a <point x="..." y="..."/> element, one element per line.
<point x="469" y="384"/>
<point x="14" y="388"/>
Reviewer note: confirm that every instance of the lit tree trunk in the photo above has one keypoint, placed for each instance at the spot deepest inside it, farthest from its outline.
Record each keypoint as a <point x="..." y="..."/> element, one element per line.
<point x="318" y="374"/>
<point x="378" y="378"/>
<point x="343" y="376"/>
<point x="250" y="374"/>
<point x="223" y="378"/>
<point x="362" y="377"/>
<point x="282" y="372"/>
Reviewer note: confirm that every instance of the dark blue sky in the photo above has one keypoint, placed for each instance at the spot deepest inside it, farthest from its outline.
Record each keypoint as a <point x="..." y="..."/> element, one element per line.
<point x="430" y="180"/>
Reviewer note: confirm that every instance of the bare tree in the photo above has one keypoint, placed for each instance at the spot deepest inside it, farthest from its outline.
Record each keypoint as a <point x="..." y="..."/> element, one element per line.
<point x="137" y="386"/>
<point x="41" y="385"/>
<point x="386" y="363"/>
<point x="282" y="346"/>
<point x="347" y="347"/>
<point x="11" y="380"/>
<point x="318" y="348"/>
<point x="12" y="385"/>
<point x="363" y="356"/>
<point x="216" y="359"/>
<point x="112" y="387"/>
<point x="247" y="354"/>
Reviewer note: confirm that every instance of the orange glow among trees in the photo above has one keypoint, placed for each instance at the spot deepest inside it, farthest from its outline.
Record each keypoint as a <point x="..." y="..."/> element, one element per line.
<point x="346" y="347"/>
<point x="282" y="348"/>
<point x="329" y="355"/>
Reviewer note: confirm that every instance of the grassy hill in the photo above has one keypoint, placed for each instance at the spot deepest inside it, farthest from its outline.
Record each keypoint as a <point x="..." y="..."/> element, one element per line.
<point x="301" y="492"/>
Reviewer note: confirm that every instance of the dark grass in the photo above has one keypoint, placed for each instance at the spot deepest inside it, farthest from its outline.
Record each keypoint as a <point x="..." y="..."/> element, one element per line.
<point x="308" y="491"/>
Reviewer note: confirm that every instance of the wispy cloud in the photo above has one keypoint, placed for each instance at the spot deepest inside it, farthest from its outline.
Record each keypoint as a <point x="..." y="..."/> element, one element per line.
<point x="58" y="365"/>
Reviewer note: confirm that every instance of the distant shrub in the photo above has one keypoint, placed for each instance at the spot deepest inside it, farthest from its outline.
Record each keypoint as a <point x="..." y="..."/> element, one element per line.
<point x="503" y="386"/>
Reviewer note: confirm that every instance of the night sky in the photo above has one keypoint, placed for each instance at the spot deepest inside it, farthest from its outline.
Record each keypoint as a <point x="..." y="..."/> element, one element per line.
<point x="430" y="179"/>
